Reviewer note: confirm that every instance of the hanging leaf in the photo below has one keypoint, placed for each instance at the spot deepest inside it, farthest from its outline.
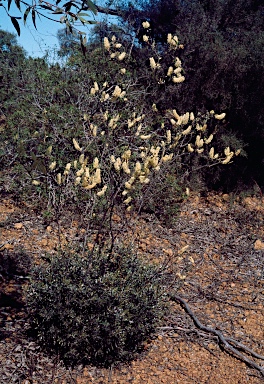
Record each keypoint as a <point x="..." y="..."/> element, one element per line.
<point x="67" y="6"/>
<point x="91" y="6"/>
<point x="82" y="14"/>
<point x="59" y="11"/>
<point x="83" y="47"/>
<point x="44" y="6"/>
<point x="16" y="25"/>
<point x="26" y="14"/>
<point x="17" y="2"/>
<point x="73" y="15"/>
<point x="21" y="149"/>
<point x="39" y="165"/>
<point x="34" y="18"/>
<point x="68" y="26"/>
<point x="82" y="20"/>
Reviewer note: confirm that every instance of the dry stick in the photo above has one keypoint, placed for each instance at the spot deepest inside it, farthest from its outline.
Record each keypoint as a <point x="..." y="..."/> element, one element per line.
<point x="222" y="339"/>
<point x="244" y="347"/>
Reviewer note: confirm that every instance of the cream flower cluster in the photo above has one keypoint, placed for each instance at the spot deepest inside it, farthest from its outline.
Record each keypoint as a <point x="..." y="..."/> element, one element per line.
<point x="173" y="41"/>
<point x="197" y="128"/>
<point x="153" y="64"/>
<point x="139" y="169"/>
<point x="145" y="25"/>
<point x="114" y="49"/>
<point x="175" y="72"/>
<point x="87" y="176"/>
<point x="144" y="151"/>
<point x="106" y="94"/>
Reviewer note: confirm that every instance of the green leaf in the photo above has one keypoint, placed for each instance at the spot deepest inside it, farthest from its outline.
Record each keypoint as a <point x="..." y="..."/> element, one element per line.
<point x="21" y="149"/>
<point x="16" y="25"/>
<point x="39" y="165"/>
<point x="67" y="6"/>
<point x="26" y="14"/>
<point x="82" y="14"/>
<point x="17" y="2"/>
<point x="91" y="6"/>
<point x="43" y="6"/>
<point x="58" y="11"/>
<point x="68" y="26"/>
<point x="34" y="157"/>
<point x="82" y="20"/>
<point x="34" y="18"/>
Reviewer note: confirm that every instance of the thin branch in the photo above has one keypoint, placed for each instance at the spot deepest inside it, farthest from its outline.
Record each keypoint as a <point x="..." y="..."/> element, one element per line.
<point x="222" y="339"/>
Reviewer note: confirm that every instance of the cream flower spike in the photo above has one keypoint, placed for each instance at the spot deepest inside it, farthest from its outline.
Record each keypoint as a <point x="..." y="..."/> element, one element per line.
<point x="106" y="44"/>
<point x="145" y="24"/>
<point x="220" y="117"/>
<point x="76" y="145"/>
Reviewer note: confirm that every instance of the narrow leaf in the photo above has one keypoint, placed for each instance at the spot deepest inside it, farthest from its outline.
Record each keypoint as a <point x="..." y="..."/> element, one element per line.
<point x="58" y="11"/>
<point x="43" y="6"/>
<point x="83" y="47"/>
<point x="16" y="25"/>
<point x="67" y="8"/>
<point x="68" y="27"/>
<point x="17" y="2"/>
<point x="91" y="6"/>
<point x="26" y="14"/>
<point x="68" y="4"/>
<point x="82" y="20"/>
<point x="34" y="18"/>
<point x="82" y="14"/>
<point x="39" y="165"/>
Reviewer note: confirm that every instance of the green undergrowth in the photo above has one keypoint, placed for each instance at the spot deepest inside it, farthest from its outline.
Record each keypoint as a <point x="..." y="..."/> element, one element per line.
<point x="96" y="308"/>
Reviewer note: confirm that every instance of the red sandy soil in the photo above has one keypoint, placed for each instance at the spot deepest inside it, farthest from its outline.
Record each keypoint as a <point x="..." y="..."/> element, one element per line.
<point x="214" y="256"/>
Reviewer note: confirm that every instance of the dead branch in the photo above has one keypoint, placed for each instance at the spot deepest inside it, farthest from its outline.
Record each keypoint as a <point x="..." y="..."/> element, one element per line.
<point x="225" y="341"/>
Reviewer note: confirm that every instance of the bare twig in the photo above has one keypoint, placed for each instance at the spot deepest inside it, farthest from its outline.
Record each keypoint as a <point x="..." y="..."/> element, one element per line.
<point x="225" y="341"/>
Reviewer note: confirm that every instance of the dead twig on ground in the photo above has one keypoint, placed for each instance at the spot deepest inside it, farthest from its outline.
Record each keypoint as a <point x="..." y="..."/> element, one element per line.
<point x="225" y="341"/>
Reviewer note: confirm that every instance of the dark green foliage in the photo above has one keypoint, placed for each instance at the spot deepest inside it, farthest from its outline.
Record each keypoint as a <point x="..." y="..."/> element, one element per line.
<point x="163" y="196"/>
<point x="95" y="309"/>
<point x="14" y="263"/>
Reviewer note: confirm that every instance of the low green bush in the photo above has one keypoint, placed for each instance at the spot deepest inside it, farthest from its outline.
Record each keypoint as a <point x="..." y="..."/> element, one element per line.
<point x="96" y="309"/>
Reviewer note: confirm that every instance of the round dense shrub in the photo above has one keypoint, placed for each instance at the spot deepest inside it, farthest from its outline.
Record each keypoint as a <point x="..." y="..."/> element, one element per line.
<point x="96" y="309"/>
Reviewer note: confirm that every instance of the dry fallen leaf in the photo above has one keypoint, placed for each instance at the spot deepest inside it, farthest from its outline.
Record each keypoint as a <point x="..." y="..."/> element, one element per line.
<point x="182" y="250"/>
<point x="18" y="225"/>
<point x="259" y="245"/>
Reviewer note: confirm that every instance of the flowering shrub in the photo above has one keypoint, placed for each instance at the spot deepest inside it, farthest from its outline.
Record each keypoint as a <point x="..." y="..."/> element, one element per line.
<point x="119" y="145"/>
<point x="99" y="306"/>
